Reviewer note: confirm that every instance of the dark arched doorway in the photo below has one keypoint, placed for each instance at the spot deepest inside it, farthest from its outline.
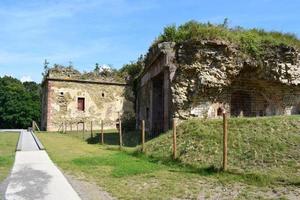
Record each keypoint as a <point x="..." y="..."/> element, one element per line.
<point x="240" y="104"/>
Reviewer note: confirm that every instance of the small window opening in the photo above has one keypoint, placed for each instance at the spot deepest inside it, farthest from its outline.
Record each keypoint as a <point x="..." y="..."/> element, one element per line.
<point x="103" y="95"/>
<point x="220" y="111"/>
<point x="61" y="93"/>
<point x="81" y="104"/>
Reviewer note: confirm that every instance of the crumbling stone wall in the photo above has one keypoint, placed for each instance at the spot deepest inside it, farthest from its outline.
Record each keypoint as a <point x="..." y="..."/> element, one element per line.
<point x="203" y="78"/>
<point x="210" y="72"/>
<point x="154" y="96"/>
<point x="103" y="101"/>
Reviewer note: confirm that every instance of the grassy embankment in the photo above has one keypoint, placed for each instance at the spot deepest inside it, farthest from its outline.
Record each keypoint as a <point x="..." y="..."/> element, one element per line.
<point x="263" y="161"/>
<point x="261" y="150"/>
<point x="8" y="142"/>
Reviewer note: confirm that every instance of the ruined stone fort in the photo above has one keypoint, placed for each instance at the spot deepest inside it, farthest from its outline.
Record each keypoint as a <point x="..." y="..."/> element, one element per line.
<point x="204" y="78"/>
<point x="72" y="100"/>
<point x="197" y="78"/>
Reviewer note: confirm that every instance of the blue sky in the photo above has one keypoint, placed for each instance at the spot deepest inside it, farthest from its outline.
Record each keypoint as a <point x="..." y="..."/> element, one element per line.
<point x="115" y="31"/>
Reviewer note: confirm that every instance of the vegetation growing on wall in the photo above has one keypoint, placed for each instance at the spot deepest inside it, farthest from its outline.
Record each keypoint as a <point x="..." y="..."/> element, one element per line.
<point x="19" y="103"/>
<point x="132" y="71"/>
<point x="251" y="41"/>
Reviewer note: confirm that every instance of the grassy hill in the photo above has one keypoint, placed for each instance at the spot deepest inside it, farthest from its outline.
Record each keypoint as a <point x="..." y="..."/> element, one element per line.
<point x="261" y="150"/>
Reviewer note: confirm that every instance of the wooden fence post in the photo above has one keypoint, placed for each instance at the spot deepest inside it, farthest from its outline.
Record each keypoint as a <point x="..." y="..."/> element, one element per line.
<point x="225" y="138"/>
<point x="35" y="126"/>
<point x="92" y="135"/>
<point x="83" y="135"/>
<point x="120" y="133"/>
<point x="174" y="139"/>
<point x="102" y="133"/>
<point x="143" y="135"/>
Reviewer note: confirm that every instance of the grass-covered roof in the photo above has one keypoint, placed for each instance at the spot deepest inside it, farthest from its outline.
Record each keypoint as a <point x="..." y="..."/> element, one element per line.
<point x="252" y="41"/>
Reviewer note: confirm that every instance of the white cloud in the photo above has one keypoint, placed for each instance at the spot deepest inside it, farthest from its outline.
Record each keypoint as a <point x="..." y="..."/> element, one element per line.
<point x="26" y="79"/>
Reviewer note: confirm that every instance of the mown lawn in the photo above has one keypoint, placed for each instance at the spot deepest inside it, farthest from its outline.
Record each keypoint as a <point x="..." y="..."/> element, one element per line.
<point x="8" y="142"/>
<point x="127" y="174"/>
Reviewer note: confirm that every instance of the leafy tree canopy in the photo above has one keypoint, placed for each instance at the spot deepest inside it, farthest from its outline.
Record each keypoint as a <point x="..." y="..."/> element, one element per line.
<point x="132" y="70"/>
<point x="19" y="103"/>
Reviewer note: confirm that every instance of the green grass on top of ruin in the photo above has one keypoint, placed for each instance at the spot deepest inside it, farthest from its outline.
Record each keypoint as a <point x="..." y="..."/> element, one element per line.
<point x="251" y="41"/>
<point x="261" y="151"/>
<point x="8" y="143"/>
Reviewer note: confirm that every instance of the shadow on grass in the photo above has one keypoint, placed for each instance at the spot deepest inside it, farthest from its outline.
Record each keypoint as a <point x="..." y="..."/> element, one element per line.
<point x="130" y="138"/>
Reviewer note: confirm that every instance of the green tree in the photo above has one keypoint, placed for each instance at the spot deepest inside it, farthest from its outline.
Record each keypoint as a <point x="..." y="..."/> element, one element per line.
<point x="131" y="72"/>
<point x="19" y="103"/>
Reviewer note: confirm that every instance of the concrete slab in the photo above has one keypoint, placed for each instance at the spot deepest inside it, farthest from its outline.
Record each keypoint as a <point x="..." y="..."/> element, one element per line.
<point x="34" y="176"/>
<point x="27" y="142"/>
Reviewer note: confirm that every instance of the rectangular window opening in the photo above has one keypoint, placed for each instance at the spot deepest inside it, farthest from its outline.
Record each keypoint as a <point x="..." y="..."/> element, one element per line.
<point x="81" y="104"/>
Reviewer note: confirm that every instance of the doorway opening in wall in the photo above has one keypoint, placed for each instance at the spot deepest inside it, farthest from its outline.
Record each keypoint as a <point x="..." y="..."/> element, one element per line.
<point x="158" y="105"/>
<point x="240" y="104"/>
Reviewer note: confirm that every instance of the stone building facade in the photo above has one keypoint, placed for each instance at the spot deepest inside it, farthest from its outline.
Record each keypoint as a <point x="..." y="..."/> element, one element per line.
<point x="72" y="100"/>
<point x="205" y="78"/>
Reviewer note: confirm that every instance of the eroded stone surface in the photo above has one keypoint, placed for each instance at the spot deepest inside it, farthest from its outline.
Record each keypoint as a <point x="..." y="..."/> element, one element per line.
<point x="104" y="100"/>
<point x="203" y="78"/>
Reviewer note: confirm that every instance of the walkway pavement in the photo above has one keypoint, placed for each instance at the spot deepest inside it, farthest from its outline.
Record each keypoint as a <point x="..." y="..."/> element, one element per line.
<point x="34" y="175"/>
<point x="27" y="142"/>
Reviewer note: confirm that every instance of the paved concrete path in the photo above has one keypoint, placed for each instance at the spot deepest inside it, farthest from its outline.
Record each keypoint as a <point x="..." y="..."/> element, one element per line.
<point x="34" y="175"/>
<point x="27" y="142"/>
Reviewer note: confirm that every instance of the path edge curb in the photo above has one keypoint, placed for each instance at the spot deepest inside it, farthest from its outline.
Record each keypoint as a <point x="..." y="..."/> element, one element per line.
<point x="19" y="144"/>
<point x="37" y="141"/>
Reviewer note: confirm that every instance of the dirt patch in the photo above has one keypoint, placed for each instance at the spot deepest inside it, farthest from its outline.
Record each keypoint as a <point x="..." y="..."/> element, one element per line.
<point x="87" y="190"/>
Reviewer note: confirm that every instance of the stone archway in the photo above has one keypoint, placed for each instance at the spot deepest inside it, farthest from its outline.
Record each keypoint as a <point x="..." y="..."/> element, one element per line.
<point x="240" y="104"/>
